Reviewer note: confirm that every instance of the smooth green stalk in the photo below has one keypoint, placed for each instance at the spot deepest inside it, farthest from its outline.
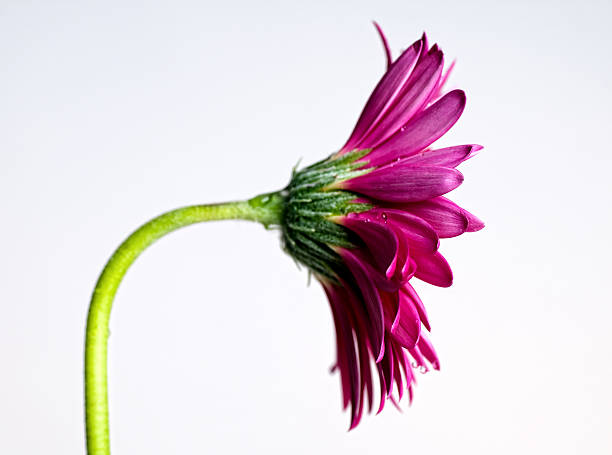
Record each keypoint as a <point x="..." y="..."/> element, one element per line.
<point x="265" y="209"/>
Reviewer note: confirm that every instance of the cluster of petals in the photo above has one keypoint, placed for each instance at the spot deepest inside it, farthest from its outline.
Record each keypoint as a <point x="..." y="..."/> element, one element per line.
<point x="379" y="319"/>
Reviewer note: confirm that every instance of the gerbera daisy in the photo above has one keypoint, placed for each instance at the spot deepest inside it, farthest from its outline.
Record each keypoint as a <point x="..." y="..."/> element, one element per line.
<point x="364" y="221"/>
<point x="368" y="219"/>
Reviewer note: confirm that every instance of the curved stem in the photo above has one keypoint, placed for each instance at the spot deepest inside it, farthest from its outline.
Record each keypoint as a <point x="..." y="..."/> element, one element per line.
<point x="265" y="209"/>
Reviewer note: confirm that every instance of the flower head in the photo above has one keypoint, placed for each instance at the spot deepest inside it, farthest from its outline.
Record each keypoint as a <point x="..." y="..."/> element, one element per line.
<point x="368" y="219"/>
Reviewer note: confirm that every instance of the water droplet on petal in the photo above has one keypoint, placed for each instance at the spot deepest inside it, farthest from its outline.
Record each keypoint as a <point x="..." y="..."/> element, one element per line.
<point x="414" y="365"/>
<point x="423" y="369"/>
<point x="384" y="216"/>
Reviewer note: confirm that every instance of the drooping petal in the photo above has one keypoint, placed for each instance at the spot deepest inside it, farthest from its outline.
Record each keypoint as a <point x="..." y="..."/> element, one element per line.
<point x="365" y="370"/>
<point x="400" y="182"/>
<point x="380" y="239"/>
<point x="363" y="338"/>
<point x="380" y="280"/>
<point x="422" y="130"/>
<point x="383" y="387"/>
<point x="433" y="269"/>
<point x="346" y="356"/>
<point x="406" y="325"/>
<point x="387" y="367"/>
<point x="419" y="360"/>
<point x="429" y="352"/>
<point x="409" y="292"/>
<point x="385" y="94"/>
<point x="406" y="368"/>
<point x="445" y="157"/>
<point x="371" y="299"/>
<point x="407" y="266"/>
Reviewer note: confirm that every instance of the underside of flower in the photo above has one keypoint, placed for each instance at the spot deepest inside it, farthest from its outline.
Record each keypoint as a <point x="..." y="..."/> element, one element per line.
<point x="309" y="234"/>
<point x="369" y="219"/>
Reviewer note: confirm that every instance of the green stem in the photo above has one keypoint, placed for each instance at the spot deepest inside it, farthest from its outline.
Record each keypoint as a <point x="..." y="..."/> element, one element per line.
<point x="265" y="209"/>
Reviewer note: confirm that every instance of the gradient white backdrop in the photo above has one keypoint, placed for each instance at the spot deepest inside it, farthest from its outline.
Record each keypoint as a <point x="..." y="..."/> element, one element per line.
<point x="113" y="112"/>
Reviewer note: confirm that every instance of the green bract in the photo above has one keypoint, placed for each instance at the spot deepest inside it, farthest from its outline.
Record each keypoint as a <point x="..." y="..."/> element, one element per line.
<point x="307" y="231"/>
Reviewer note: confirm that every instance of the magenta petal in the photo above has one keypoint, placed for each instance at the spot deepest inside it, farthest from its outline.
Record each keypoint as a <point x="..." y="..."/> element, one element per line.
<point x="413" y="97"/>
<point x="433" y="269"/>
<point x="429" y="352"/>
<point x="385" y="44"/>
<point x="406" y="328"/>
<point x="422" y="130"/>
<point x="384" y="94"/>
<point x="347" y="359"/>
<point x="444" y="80"/>
<point x="446" y="157"/>
<point x="425" y="43"/>
<point x="383" y="388"/>
<point x="366" y="372"/>
<point x="418" y="357"/>
<point x="380" y="280"/>
<point x="474" y="224"/>
<point x="371" y="299"/>
<point x="408" y="270"/>
<point x="417" y="232"/>
<point x="379" y="238"/>
<point x="400" y="182"/>
<point x="397" y="354"/>
<point x="387" y="367"/>
<point x="409" y="292"/>
<point x="446" y="217"/>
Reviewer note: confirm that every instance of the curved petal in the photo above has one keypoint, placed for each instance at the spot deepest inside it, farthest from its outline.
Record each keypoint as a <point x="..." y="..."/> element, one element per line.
<point x="474" y="223"/>
<point x="413" y="97"/>
<point x="422" y="130"/>
<point x="406" y="325"/>
<point x="401" y="182"/>
<point x="379" y="238"/>
<point x="444" y="80"/>
<point x="433" y="269"/>
<point x="383" y="388"/>
<point x="371" y="299"/>
<point x="397" y="354"/>
<point x="406" y="266"/>
<point x="387" y="367"/>
<point x="346" y="356"/>
<point x="385" y="44"/>
<point x="384" y="94"/>
<point x="446" y="217"/>
<point x="419" y="360"/>
<point x="382" y="282"/>
<point x="410" y="293"/>
<point x="429" y="352"/>
<point x="418" y="233"/>
<point x="445" y="157"/>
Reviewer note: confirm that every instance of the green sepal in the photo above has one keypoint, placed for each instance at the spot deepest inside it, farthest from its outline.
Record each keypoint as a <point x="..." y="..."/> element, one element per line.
<point x="310" y="203"/>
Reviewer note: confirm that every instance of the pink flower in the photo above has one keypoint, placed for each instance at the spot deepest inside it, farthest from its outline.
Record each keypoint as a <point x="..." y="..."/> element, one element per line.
<point x="369" y="218"/>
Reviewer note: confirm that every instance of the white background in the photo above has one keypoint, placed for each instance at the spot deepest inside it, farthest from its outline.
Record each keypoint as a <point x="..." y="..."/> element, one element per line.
<point x="113" y="112"/>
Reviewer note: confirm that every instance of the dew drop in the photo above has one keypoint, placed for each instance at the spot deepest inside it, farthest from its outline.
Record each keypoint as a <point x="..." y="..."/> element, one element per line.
<point x="384" y="216"/>
<point x="414" y="365"/>
<point x="423" y="369"/>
